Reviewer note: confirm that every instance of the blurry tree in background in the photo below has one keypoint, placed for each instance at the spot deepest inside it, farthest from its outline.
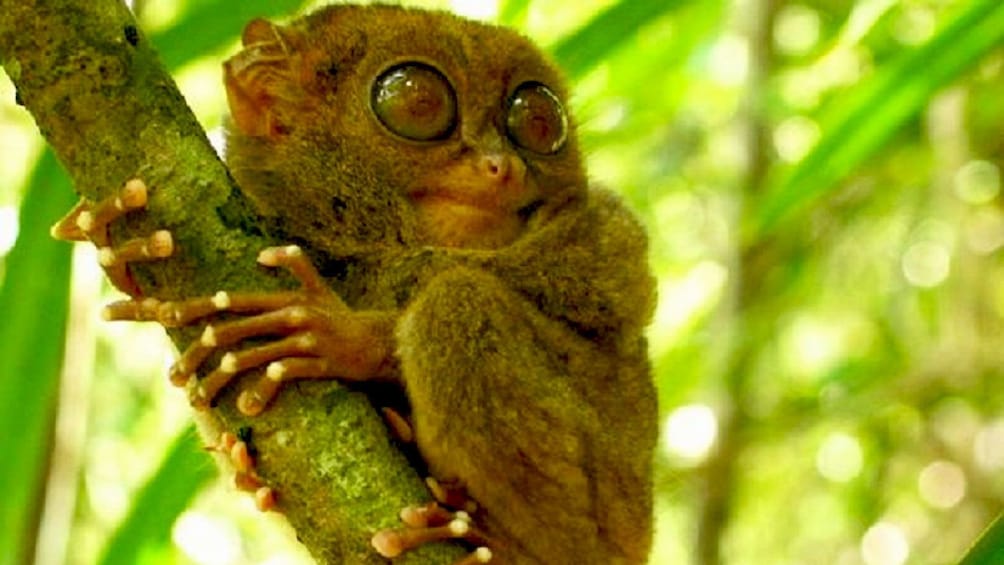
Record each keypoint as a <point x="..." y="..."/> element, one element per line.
<point x="822" y="184"/>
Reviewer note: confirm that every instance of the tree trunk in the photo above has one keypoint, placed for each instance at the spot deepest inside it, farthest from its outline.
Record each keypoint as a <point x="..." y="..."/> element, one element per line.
<point x="105" y="104"/>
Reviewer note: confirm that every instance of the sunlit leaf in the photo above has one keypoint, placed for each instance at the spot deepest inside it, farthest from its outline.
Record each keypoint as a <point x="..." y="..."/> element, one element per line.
<point x="211" y="25"/>
<point x="513" y="12"/>
<point x="608" y="31"/>
<point x="34" y="303"/>
<point x="868" y="116"/>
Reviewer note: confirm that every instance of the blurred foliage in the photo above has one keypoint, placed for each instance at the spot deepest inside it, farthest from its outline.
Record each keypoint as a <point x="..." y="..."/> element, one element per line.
<point x="822" y="183"/>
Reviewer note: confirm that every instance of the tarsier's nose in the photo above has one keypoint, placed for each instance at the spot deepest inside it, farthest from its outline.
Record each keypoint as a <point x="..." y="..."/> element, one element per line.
<point x="501" y="167"/>
<point x="494" y="165"/>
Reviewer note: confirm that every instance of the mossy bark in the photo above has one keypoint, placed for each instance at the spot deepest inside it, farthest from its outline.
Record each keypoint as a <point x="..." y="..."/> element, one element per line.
<point x="110" y="111"/>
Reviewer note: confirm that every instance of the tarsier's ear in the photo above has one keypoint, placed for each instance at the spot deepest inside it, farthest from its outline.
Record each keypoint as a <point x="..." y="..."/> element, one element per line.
<point x="259" y="78"/>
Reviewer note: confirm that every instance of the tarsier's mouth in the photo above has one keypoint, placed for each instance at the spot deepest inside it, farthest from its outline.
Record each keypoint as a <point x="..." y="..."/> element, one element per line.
<point x="477" y="199"/>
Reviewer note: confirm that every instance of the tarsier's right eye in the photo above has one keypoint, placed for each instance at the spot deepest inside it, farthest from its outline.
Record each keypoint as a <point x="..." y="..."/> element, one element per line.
<point x="537" y="120"/>
<point x="415" y="101"/>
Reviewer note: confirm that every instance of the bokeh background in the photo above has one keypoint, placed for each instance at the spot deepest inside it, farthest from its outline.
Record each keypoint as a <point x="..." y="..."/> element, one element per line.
<point x="821" y="180"/>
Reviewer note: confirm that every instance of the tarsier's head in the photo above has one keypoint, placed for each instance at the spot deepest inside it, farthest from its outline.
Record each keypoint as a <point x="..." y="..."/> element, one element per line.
<point x="383" y="122"/>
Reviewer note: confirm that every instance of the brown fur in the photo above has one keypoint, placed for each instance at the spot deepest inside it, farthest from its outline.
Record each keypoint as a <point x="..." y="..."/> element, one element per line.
<point x="520" y="350"/>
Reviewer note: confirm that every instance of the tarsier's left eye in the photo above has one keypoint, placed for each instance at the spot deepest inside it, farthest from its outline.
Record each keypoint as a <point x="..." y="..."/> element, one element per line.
<point x="537" y="120"/>
<point x="415" y="101"/>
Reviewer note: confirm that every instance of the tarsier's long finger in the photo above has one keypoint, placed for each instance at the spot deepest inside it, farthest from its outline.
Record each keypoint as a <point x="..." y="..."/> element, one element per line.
<point x="90" y="221"/>
<point x="233" y="363"/>
<point x="184" y="368"/>
<point x="292" y="257"/>
<point x="252" y="401"/>
<point x="67" y="228"/>
<point x="277" y="322"/>
<point x="225" y="335"/>
<point x="157" y="246"/>
<point x="145" y="310"/>
<point x="184" y="312"/>
<point x="116" y="260"/>
<point x="292" y="346"/>
<point x="222" y="336"/>
<point x="202" y="392"/>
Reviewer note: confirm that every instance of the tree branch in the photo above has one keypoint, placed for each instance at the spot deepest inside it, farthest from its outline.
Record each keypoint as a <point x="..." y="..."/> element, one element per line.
<point x="111" y="112"/>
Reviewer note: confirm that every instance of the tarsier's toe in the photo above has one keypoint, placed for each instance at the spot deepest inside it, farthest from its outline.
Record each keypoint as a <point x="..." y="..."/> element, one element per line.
<point x="388" y="543"/>
<point x="431" y="523"/>
<point x="246" y="478"/>
<point x="264" y="499"/>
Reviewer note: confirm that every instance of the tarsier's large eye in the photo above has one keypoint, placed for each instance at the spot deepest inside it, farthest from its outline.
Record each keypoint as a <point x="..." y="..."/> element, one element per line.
<point x="537" y="120"/>
<point x="415" y="101"/>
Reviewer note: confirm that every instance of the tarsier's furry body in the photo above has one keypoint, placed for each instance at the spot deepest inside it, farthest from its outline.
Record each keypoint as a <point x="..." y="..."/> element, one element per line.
<point x="428" y="166"/>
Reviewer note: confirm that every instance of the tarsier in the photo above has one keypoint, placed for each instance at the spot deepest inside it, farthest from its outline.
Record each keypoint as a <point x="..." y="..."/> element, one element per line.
<point x="429" y="166"/>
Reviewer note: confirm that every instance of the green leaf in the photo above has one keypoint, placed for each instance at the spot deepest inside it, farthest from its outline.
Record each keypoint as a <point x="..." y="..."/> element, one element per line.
<point x="608" y="31"/>
<point x="513" y="12"/>
<point x="183" y="472"/>
<point x="34" y="303"/>
<point x="868" y="116"/>
<point x="211" y="24"/>
<point x="989" y="549"/>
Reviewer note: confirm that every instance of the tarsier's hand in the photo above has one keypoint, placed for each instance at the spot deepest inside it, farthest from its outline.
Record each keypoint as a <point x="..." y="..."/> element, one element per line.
<point x="89" y="221"/>
<point x="318" y="335"/>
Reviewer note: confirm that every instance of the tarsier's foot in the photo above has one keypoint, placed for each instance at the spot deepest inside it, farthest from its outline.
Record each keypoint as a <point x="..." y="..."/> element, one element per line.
<point x="89" y="221"/>
<point x="239" y="452"/>
<point x="435" y="522"/>
<point x="431" y="523"/>
<point x="318" y="336"/>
